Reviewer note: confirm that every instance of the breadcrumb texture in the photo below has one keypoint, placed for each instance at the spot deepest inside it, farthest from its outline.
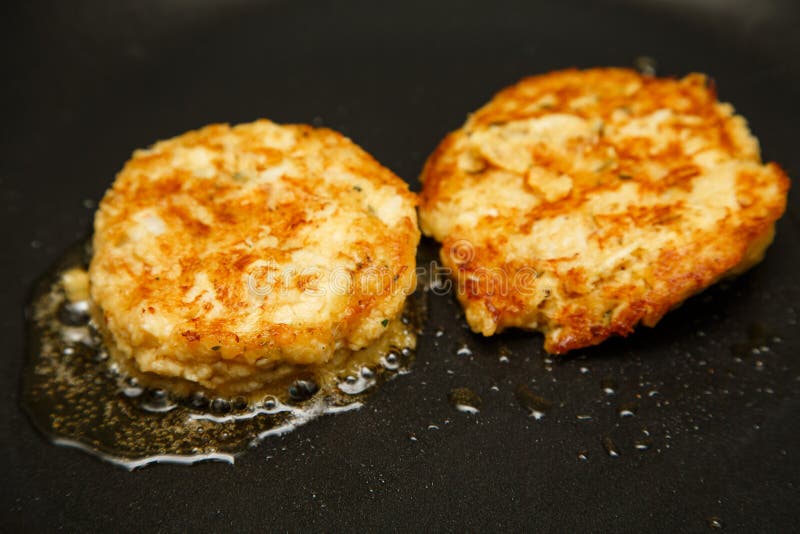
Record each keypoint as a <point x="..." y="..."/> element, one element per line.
<point x="581" y="203"/>
<point x="227" y="255"/>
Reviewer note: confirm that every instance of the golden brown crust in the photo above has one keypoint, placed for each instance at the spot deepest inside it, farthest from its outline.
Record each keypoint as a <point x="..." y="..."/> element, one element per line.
<point x="617" y="195"/>
<point x="232" y="247"/>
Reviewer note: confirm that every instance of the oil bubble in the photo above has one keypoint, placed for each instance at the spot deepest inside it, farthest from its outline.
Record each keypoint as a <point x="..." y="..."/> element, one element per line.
<point x="610" y="447"/>
<point x="535" y="404"/>
<point x="464" y="400"/>
<point x="303" y="390"/>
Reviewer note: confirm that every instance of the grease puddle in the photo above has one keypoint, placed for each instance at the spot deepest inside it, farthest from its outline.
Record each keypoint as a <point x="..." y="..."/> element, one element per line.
<point x="79" y="398"/>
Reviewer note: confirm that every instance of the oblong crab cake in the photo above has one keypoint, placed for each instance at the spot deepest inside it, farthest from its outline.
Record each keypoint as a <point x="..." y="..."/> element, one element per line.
<point x="230" y="258"/>
<point x="581" y="203"/>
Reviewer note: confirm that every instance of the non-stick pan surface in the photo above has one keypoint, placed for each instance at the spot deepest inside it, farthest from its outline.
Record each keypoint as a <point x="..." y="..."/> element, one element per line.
<point x="716" y="385"/>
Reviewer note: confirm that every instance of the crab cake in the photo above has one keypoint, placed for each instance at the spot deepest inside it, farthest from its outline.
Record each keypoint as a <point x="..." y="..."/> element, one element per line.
<point x="228" y="257"/>
<point x="581" y="203"/>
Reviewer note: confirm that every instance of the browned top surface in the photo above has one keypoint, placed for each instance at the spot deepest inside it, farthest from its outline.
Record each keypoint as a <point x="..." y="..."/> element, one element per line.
<point x="610" y="195"/>
<point x="253" y="243"/>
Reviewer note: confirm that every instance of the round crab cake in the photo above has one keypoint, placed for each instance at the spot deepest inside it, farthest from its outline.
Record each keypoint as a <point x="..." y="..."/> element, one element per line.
<point x="230" y="257"/>
<point x="581" y="203"/>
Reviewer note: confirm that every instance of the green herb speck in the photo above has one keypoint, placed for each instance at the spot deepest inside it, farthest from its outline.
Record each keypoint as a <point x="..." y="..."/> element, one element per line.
<point x="385" y="323"/>
<point x="216" y="347"/>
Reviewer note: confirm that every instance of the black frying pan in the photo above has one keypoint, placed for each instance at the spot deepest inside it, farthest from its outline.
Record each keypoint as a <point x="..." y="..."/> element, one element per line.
<point x="86" y="82"/>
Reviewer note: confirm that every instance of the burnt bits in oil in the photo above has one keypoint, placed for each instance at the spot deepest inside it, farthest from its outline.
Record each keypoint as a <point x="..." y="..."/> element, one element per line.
<point x="77" y="396"/>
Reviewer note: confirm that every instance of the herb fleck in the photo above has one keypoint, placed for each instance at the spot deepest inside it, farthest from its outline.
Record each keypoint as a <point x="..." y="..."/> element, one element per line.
<point x="216" y="347"/>
<point x="385" y="322"/>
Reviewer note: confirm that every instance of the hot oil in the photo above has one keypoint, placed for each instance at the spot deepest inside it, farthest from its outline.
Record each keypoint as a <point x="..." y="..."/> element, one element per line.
<point x="79" y="397"/>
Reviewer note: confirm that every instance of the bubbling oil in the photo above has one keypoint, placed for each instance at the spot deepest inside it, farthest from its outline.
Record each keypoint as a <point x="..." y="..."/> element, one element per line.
<point x="79" y="397"/>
